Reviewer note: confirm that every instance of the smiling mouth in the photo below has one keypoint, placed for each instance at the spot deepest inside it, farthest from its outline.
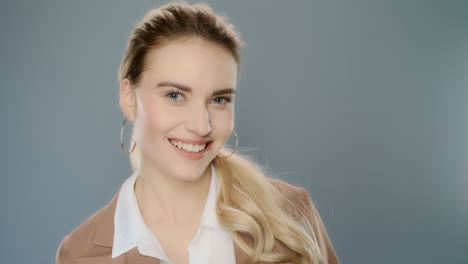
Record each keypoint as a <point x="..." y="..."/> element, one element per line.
<point x="192" y="148"/>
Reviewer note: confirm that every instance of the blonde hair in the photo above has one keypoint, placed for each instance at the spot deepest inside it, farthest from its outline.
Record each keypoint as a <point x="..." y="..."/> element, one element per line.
<point x="248" y="204"/>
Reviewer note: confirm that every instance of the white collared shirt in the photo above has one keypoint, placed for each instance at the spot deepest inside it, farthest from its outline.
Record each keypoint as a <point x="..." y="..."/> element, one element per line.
<point x="211" y="244"/>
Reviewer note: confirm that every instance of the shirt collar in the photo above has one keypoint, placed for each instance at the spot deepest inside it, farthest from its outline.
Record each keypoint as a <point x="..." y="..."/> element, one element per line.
<point x="130" y="228"/>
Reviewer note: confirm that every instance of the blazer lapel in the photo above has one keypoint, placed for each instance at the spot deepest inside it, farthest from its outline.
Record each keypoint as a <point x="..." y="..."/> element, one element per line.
<point x="133" y="256"/>
<point x="241" y="256"/>
<point x="104" y="234"/>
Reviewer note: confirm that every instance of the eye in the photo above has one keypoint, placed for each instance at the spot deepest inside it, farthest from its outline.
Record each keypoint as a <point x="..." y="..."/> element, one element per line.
<point x="222" y="100"/>
<point x="174" y="96"/>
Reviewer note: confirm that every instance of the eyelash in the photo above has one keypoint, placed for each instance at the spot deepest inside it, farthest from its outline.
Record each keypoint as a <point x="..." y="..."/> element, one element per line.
<point x="228" y="99"/>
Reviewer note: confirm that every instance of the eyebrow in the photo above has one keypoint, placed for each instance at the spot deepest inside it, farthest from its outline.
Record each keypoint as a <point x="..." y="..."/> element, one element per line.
<point x="187" y="89"/>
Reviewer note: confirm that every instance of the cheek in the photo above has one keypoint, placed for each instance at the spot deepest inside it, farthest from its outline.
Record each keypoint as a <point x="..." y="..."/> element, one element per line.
<point x="223" y="123"/>
<point x="154" y="120"/>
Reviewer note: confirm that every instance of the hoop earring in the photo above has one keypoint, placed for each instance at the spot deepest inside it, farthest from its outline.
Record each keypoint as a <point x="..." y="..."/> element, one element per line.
<point x="121" y="139"/>
<point x="235" y="147"/>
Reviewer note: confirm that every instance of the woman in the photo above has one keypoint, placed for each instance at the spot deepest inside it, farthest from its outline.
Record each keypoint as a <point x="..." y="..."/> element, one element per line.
<point x="190" y="200"/>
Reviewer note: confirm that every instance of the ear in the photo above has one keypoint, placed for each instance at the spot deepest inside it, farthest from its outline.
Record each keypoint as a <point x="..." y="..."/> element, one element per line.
<point x="127" y="99"/>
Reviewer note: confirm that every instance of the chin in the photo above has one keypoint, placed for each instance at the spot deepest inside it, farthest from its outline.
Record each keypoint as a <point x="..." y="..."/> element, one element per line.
<point x="189" y="177"/>
<point x="190" y="173"/>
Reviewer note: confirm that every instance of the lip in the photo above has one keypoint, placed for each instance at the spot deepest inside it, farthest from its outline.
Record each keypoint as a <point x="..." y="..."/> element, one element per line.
<point x="191" y="155"/>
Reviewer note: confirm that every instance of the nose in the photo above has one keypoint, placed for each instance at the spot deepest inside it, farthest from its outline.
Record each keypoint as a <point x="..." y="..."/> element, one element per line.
<point x="199" y="121"/>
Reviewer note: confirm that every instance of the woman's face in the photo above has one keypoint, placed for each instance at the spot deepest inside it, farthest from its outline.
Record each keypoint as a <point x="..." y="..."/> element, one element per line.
<point x="183" y="109"/>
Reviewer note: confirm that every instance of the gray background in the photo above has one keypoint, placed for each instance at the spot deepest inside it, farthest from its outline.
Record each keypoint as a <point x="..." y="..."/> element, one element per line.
<point x="363" y="102"/>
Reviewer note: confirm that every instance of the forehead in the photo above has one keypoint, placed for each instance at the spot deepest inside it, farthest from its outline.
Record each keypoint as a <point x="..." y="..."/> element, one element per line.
<point x="195" y="62"/>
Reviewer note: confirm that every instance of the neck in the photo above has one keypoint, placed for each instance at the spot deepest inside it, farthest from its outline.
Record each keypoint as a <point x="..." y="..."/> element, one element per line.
<point x="165" y="199"/>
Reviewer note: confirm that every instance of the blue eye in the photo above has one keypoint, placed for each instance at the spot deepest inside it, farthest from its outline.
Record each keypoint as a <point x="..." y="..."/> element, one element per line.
<point x="226" y="100"/>
<point x="174" y="96"/>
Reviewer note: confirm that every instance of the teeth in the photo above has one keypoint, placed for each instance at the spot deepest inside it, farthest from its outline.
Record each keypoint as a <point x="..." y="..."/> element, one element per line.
<point x="188" y="147"/>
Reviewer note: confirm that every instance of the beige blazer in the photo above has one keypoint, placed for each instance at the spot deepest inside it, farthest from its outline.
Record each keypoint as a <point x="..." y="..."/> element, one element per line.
<point x="91" y="242"/>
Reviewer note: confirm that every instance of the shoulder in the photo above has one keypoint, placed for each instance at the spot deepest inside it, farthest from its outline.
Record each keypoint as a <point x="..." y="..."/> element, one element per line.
<point x="289" y="193"/>
<point x="81" y="241"/>
<point x="294" y="199"/>
<point x="284" y="187"/>
<point x="297" y="202"/>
